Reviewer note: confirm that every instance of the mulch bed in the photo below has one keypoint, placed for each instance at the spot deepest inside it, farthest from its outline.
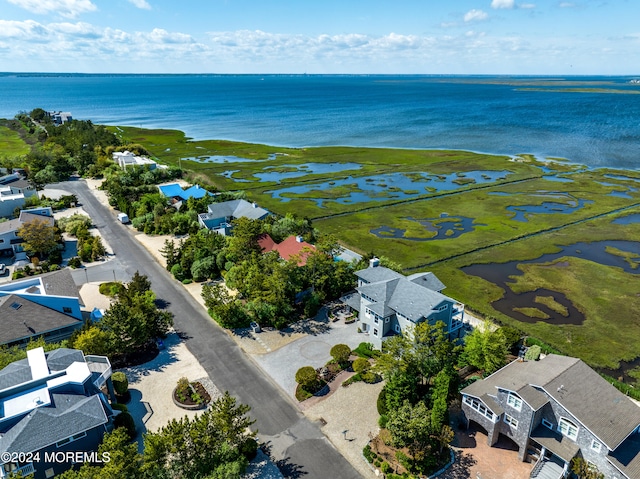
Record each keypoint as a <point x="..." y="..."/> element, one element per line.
<point x="135" y="358"/>
<point x="202" y="392"/>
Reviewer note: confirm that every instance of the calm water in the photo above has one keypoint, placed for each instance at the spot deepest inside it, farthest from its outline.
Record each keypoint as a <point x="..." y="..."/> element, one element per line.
<point x="396" y="111"/>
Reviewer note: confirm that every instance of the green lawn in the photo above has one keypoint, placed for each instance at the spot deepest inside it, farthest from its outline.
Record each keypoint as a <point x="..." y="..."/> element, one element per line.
<point x="11" y="145"/>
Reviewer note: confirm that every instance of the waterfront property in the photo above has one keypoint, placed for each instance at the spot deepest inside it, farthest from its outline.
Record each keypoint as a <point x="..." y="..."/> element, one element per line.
<point x="291" y="247"/>
<point x="45" y="305"/>
<point x="52" y="403"/>
<point x="389" y="303"/>
<point x="177" y="194"/>
<point x="219" y="216"/>
<point x="59" y="117"/>
<point x="554" y="410"/>
<point x="126" y="158"/>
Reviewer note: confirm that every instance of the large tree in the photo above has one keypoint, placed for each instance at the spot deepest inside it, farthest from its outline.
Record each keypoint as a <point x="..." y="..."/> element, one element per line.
<point x="208" y="446"/>
<point x="486" y="348"/>
<point x="39" y="236"/>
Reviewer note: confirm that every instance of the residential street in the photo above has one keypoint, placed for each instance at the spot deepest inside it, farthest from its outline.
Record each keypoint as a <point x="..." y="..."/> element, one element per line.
<point x="298" y="445"/>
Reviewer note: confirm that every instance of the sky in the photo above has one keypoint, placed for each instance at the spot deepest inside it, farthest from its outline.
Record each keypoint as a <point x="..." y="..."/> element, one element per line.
<point x="530" y="37"/>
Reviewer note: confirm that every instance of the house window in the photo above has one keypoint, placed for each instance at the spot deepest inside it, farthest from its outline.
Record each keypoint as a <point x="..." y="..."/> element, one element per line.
<point x="475" y="404"/>
<point x="397" y="328"/>
<point x="443" y="307"/>
<point x="1" y="241"/>
<point x="66" y="309"/>
<point x="511" y="421"/>
<point x="375" y="332"/>
<point x="386" y="320"/>
<point x="49" y="473"/>
<point x="567" y="428"/>
<point x="514" y="401"/>
<point x="547" y="424"/>
<point x="596" y="446"/>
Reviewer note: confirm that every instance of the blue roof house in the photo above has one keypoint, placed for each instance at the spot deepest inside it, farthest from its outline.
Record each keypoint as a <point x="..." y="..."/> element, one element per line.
<point x="177" y="194"/>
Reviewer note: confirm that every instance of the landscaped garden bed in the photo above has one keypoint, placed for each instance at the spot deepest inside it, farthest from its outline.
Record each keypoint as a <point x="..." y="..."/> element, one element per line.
<point x="190" y="395"/>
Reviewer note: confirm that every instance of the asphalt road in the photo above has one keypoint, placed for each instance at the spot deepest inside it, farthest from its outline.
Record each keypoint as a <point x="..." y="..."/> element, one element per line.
<point x="296" y="444"/>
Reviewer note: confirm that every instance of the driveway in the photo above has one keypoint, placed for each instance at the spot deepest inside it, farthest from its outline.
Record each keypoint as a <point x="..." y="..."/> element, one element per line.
<point x="296" y="443"/>
<point x="312" y="350"/>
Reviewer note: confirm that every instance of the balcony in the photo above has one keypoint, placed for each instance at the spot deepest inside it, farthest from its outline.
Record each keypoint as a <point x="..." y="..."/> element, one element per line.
<point x="101" y="366"/>
<point x="23" y="471"/>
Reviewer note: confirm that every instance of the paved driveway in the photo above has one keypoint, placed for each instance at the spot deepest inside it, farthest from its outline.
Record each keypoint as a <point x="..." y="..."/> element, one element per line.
<point x="312" y="350"/>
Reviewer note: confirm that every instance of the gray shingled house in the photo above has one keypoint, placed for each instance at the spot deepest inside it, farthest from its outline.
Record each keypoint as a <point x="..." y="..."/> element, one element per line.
<point x="52" y="403"/>
<point x="555" y="409"/>
<point x="389" y="303"/>
<point x="219" y="216"/>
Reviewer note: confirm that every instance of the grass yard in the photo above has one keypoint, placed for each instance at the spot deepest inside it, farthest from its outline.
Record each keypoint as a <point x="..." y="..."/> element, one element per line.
<point x="11" y="145"/>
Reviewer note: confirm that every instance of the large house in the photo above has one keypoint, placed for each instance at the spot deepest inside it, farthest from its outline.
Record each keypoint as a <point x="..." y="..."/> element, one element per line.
<point x="126" y="158"/>
<point x="219" y="216"/>
<point x="291" y="247"/>
<point x="46" y="305"/>
<point x="390" y="303"/>
<point x="52" y="403"/>
<point x="556" y="409"/>
<point x="177" y="194"/>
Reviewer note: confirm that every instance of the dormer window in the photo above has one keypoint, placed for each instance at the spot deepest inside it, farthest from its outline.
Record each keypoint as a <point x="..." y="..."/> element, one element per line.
<point x="514" y="401"/>
<point x="567" y="428"/>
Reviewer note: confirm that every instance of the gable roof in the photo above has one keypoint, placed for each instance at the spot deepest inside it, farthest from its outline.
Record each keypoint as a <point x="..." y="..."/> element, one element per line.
<point x="600" y="407"/>
<point x="173" y="190"/>
<point x="26" y="217"/>
<point x="427" y="280"/>
<point x="11" y="225"/>
<point x="21" y="319"/>
<point x="68" y="414"/>
<point x="236" y="209"/>
<point x="378" y="273"/>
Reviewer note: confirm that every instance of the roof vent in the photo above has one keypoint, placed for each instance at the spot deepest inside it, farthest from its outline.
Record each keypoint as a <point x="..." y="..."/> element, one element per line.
<point x="16" y="306"/>
<point x="374" y="262"/>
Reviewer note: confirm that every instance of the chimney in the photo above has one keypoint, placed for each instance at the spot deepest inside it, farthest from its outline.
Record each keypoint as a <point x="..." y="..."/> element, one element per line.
<point x="299" y="239"/>
<point x="374" y="262"/>
<point x="254" y="204"/>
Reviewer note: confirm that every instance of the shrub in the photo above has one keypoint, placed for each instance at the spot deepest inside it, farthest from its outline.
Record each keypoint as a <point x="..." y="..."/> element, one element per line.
<point x="381" y="403"/>
<point x="546" y="349"/>
<point x="365" y="350"/>
<point x="533" y="353"/>
<point x="306" y="377"/>
<point x="511" y="335"/>
<point x="176" y="271"/>
<point x="187" y="281"/>
<point x="120" y="383"/>
<point x="385" y="467"/>
<point x="75" y="262"/>
<point x="125" y="420"/>
<point x="341" y="353"/>
<point x="353" y="379"/>
<point x="120" y="407"/>
<point x="111" y="288"/>
<point x="368" y="453"/>
<point x="360" y="365"/>
<point x="249" y="448"/>
<point x="370" y="377"/>
<point x="383" y="420"/>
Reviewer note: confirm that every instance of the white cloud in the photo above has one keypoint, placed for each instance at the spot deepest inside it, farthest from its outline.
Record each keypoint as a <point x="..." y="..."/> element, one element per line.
<point x="509" y="4"/>
<point x="66" y="8"/>
<point x="567" y="5"/>
<point x="143" y="4"/>
<point x="475" y="15"/>
<point x="527" y="6"/>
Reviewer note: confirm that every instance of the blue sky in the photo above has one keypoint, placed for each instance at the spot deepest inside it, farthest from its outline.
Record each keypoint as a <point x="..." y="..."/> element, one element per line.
<point x="331" y="36"/>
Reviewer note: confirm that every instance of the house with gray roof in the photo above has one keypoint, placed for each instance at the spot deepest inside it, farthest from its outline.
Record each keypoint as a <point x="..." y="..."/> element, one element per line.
<point x="47" y="305"/>
<point x="554" y="410"/>
<point x="52" y="403"/>
<point x="390" y="303"/>
<point x="9" y="239"/>
<point x="219" y="216"/>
